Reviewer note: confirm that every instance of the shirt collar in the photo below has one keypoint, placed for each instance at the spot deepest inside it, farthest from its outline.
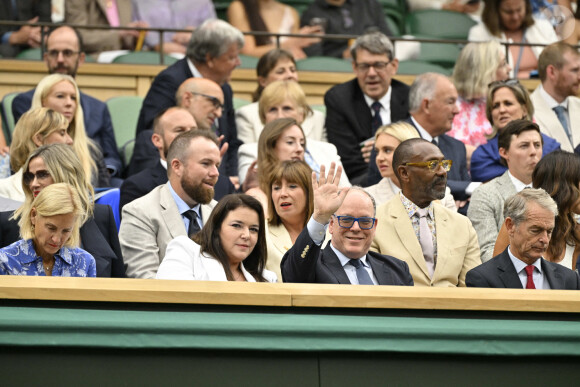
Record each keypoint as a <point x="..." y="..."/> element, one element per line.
<point x="182" y="205"/>
<point x="344" y="259"/>
<point x="63" y="254"/>
<point x="518" y="183"/>
<point x="412" y="208"/>
<point x="164" y="163"/>
<point x="520" y="265"/>
<point x="424" y="134"/>
<point x="385" y="101"/>
<point x="193" y="69"/>
<point x="552" y="103"/>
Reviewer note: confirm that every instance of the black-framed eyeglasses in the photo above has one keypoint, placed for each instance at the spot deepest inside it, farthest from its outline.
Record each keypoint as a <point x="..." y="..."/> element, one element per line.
<point x="41" y="174"/>
<point x="65" y="53"/>
<point x="216" y="102"/>
<point x="432" y="165"/>
<point x="507" y="82"/>
<point x="364" y="222"/>
<point x="378" y="66"/>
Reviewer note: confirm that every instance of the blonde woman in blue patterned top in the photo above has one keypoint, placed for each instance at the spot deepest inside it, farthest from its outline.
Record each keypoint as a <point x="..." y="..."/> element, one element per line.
<point x="50" y="232"/>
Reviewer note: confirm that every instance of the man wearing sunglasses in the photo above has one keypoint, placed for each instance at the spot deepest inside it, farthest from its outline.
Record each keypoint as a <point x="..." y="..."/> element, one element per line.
<point x="439" y="245"/>
<point x="349" y="215"/>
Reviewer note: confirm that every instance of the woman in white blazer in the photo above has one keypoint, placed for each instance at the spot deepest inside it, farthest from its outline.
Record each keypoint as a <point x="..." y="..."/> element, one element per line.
<point x="230" y="247"/>
<point x="387" y="139"/>
<point x="275" y="65"/>
<point x="512" y="21"/>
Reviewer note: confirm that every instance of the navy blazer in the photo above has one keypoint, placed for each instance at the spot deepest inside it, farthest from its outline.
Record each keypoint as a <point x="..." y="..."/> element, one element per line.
<point x="305" y="262"/>
<point x="98" y="237"/>
<point x="161" y="95"/>
<point x="499" y="272"/>
<point x="348" y="121"/>
<point x="98" y="125"/>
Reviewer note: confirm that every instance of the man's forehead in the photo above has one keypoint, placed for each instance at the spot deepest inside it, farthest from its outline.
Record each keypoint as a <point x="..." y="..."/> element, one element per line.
<point x="356" y="201"/>
<point x="425" y="151"/>
<point x="63" y="35"/>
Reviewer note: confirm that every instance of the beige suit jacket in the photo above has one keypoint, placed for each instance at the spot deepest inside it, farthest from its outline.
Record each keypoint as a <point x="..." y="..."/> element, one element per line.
<point x="550" y="125"/>
<point x="94" y="12"/>
<point x="148" y="225"/>
<point x="278" y="242"/>
<point x="457" y="248"/>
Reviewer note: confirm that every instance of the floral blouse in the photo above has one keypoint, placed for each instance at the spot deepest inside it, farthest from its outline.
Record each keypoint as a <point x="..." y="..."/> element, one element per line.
<point x="20" y="258"/>
<point x="470" y="126"/>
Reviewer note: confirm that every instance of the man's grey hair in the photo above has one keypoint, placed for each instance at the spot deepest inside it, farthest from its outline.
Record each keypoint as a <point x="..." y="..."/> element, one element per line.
<point x="213" y="37"/>
<point x="424" y="87"/>
<point x="516" y="206"/>
<point x="361" y="189"/>
<point x="375" y="42"/>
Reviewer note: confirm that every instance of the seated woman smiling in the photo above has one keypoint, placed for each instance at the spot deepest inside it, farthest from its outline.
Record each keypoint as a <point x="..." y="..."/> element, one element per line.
<point x="230" y="247"/>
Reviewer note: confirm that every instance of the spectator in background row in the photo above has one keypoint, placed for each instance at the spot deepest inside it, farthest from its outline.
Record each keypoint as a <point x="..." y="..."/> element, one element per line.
<point x="14" y="39"/>
<point x="512" y="20"/>
<point x="114" y="13"/>
<point x="348" y="17"/>
<point x="470" y="7"/>
<point x="270" y="16"/>
<point x="184" y="14"/>
<point x="478" y="65"/>
<point x="275" y="65"/>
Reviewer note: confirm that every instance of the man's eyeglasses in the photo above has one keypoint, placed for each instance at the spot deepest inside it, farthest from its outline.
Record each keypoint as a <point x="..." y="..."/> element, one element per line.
<point x="28" y="177"/>
<point x="216" y="102"/>
<point x="364" y="222"/>
<point x="507" y="82"/>
<point x="378" y="66"/>
<point x="65" y="53"/>
<point x="432" y="165"/>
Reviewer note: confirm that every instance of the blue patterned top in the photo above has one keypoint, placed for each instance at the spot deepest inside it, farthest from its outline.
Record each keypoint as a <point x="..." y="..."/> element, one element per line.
<point x="20" y="258"/>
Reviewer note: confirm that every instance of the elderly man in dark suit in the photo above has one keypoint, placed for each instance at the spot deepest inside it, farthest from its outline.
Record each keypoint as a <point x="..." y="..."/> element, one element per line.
<point x="529" y="221"/>
<point x="350" y="216"/>
<point x="357" y="108"/>
<point x="212" y="53"/>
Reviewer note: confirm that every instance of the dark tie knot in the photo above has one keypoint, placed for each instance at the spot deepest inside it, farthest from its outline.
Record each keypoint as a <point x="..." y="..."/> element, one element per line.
<point x="356" y="263"/>
<point x="376" y="106"/>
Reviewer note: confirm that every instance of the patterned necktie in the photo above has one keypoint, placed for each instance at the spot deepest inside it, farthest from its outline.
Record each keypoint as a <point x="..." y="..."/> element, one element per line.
<point x="561" y="114"/>
<point x="530" y="272"/>
<point x="376" y="122"/>
<point x="361" y="273"/>
<point x="193" y="225"/>
<point x="426" y="240"/>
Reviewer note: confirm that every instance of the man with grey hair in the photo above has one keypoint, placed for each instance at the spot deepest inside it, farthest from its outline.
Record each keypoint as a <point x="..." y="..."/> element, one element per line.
<point x="529" y="220"/>
<point x="179" y="207"/>
<point x="432" y="105"/>
<point x="357" y="108"/>
<point x="212" y="53"/>
<point x="349" y="213"/>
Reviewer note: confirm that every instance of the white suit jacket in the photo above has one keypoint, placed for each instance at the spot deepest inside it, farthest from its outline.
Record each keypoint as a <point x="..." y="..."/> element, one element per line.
<point x="147" y="226"/>
<point x="550" y="124"/>
<point x="184" y="261"/>
<point x="457" y="248"/>
<point x="11" y="187"/>
<point x="250" y="126"/>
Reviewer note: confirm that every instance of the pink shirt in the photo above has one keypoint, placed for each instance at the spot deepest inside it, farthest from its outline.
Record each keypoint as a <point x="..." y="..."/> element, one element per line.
<point x="471" y="126"/>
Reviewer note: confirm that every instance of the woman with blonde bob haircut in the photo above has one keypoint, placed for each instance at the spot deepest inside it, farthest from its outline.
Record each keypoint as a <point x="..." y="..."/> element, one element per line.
<point x="58" y="163"/>
<point x="60" y="92"/>
<point x="50" y="236"/>
<point x="387" y="139"/>
<point x="36" y="127"/>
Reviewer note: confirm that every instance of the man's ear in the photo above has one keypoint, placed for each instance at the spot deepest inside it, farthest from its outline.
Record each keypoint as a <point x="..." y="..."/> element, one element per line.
<point x="157" y="140"/>
<point x="503" y="153"/>
<point x="176" y="167"/>
<point x="403" y="173"/>
<point x="510" y="226"/>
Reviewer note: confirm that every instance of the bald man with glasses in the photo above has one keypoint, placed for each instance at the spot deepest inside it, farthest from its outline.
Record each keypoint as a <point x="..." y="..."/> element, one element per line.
<point x="439" y="245"/>
<point x="349" y="214"/>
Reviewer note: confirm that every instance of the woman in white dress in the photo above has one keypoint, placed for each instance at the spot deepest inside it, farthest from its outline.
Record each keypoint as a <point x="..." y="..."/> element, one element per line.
<point x="387" y="139"/>
<point x="230" y="247"/>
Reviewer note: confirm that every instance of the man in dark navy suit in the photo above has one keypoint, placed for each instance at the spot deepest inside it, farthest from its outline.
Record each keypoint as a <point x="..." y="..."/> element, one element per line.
<point x="212" y="53"/>
<point x="350" y="217"/>
<point x="64" y="54"/>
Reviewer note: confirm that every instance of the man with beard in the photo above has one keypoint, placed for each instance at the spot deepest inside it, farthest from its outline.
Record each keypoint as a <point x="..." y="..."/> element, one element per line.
<point x="557" y="107"/>
<point x="520" y="148"/>
<point x="529" y="220"/>
<point x="179" y="207"/>
<point x="166" y="126"/>
<point x="439" y="245"/>
<point x="64" y="54"/>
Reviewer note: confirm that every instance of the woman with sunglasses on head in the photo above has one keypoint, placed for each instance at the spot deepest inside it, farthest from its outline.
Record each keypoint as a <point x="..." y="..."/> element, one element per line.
<point x="49" y="227"/>
<point x="230" y="247"/>
<point x="506" y="101"/>
<point x="58" y="163"/>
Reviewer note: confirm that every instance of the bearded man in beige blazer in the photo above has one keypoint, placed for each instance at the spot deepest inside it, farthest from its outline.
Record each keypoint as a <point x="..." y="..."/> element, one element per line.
<point x="152" y="221"/>
<point x="441" y="247"/>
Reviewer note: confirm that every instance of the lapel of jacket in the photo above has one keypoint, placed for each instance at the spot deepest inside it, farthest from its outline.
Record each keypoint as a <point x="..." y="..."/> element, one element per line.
<point x="507" y="271"/>
<point x="280" y="238"/>
<point x="332" y="263"/>
<point x="406" y="234"/>
<point x="444" y="239"/>
<point x="382" y="274"/>
<point x="206" y="210"/>
<point x="362" y="111"/>
<point x="549" y="122"/>
<point x="102" y="4"/>
<point x="399" y="101"/>
<point x="170" y="213"/>
<point x="574" y="112"/>
<point x="553" y="277"/>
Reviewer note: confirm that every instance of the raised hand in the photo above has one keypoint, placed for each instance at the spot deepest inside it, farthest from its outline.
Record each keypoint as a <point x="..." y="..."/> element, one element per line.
<point x="327" y="196"/>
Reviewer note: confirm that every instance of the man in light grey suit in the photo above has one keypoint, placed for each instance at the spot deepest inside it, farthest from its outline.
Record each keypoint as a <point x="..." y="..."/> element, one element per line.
<point x="179" y="207"/>
<point x="557" y="107"/>
<point x="520" y="147"/>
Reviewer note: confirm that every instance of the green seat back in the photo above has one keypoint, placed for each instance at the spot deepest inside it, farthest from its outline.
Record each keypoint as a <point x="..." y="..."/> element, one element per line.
<point x="240" y="102"/>
<point x="442" y="54"/>
<point x="248" y="62"/>
<point x="124" y="112"/>
<point x="323" y="63"/>
<point x="30" y="54"/>
<point x="438" y="24"/>
<point x="7" y="116"/>
<point x="145" y="57"/>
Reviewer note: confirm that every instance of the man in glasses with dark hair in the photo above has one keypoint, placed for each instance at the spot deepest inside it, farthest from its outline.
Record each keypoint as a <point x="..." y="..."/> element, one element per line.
<point x="439" y="245"/>
<point x="349" y="215"/>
